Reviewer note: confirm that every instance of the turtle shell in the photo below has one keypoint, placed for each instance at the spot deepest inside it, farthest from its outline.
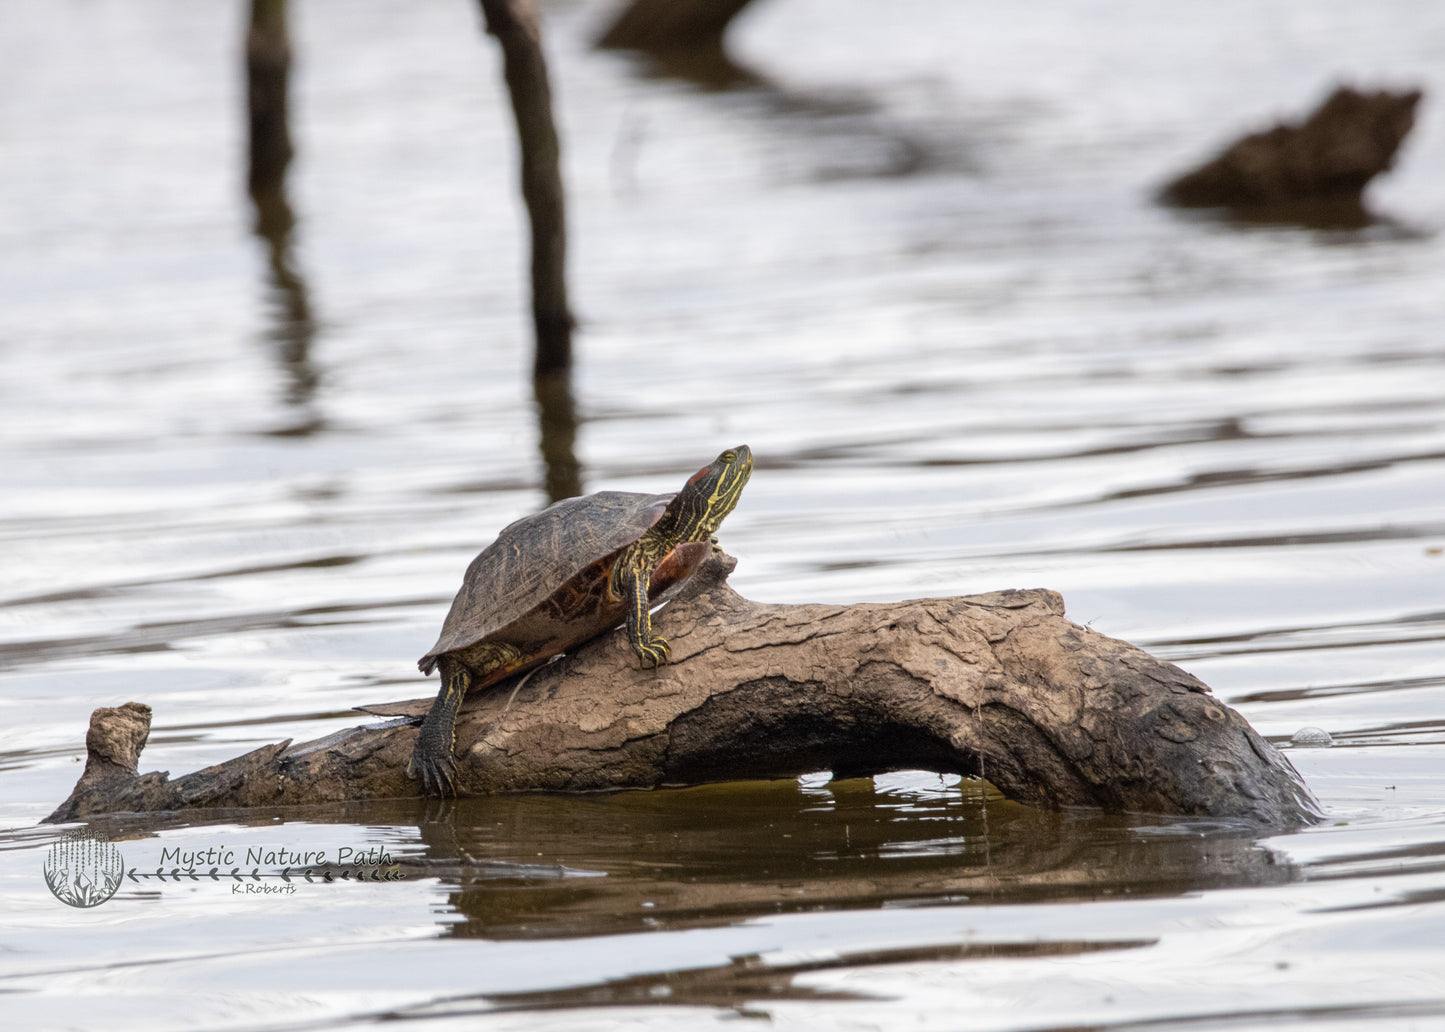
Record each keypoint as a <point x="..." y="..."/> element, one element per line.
<point x="554" y="562"/>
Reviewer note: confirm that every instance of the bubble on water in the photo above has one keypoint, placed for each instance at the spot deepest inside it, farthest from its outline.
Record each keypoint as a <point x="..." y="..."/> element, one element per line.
<point x="1312" y="738"/>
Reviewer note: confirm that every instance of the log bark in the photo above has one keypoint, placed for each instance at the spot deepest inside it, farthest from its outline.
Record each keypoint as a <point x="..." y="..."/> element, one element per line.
<point x="1328" y="159"/>
<point x="1000" y="686"/>
<point x="524" y="66"/>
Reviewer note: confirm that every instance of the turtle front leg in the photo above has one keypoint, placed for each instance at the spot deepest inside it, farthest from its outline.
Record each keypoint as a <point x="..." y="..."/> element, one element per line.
<point x="651" y="649"/>
<point x="431" y="759"/>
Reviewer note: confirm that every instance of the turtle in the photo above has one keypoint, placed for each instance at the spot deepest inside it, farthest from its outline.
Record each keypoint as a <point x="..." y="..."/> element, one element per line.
<point x="564" y="575"/>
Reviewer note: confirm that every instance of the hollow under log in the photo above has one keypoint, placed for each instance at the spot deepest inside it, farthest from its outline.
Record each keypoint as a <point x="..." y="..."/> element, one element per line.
<point x="999" y="685"/>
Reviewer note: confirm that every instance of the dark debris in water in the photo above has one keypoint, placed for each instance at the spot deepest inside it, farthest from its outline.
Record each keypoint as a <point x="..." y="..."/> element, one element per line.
<point x="755" y="978"/>
<point x="1313" y="172"/>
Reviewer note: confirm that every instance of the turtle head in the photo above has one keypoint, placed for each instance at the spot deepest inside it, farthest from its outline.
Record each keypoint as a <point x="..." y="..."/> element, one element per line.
<point x="712" y="492"/>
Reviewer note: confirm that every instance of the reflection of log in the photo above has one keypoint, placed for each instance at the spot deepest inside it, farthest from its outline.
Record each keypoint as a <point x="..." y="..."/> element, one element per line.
<point x="514" y="23"/>
<point x="713" y="854"/>
<point x="998" y="685"/>
<point x="1331" y="156"/>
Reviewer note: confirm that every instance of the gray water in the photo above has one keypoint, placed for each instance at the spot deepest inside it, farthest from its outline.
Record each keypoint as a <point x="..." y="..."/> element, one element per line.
<point x="915" y="265"/>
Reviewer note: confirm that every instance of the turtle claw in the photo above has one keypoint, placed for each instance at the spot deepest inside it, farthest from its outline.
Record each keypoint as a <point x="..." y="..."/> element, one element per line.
<point x="437" y="774"/>
<point x="431" y="757"/>
<point x="654" y="653"/>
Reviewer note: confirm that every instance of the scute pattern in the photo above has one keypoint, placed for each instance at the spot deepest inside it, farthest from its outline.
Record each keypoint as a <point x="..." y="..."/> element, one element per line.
<point x="536" y="561"/>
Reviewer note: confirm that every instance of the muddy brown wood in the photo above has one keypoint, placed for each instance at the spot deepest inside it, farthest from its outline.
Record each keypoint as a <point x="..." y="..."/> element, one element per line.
<point x="1000" y="685"/>
<point x="1294" y="168"/>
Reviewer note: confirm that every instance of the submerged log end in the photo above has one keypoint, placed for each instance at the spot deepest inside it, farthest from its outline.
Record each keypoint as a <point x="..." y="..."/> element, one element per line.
<point x="1327" y="159"/>
<point x="669" y="26"/>
<point x="682" y="38"/>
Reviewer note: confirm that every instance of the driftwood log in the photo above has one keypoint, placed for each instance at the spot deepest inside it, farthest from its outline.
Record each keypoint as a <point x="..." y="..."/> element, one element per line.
<point x="1326" y="160"/>
<point x="999" y="685"/>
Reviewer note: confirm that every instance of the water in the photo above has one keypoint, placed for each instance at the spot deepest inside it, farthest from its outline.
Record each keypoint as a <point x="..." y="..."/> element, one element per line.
<point x="916" y="268"/>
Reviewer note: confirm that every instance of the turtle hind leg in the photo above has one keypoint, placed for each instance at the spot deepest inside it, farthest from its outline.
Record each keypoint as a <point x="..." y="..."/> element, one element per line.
<point x="431" y="759"/>
<point x="651" y="648"/>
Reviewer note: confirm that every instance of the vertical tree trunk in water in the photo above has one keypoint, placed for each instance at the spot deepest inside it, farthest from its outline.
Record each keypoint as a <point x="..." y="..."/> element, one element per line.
<point x="514" y="23"/>
<point x="268" y="65"/>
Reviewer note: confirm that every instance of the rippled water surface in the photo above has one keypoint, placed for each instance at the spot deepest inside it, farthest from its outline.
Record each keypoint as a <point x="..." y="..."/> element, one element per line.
<point x="914" y="263"/>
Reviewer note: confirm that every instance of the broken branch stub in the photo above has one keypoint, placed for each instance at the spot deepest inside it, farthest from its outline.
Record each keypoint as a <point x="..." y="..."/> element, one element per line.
<point x="998" y="685"/>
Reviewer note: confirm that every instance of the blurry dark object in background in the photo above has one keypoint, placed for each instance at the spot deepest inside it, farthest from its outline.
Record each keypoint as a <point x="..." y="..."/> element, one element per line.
<point x="684" y="37"/>
<point x="1312" y="172"/>
<point x="659" y="26"/>
<point x="268" y="66"/>
<point x="514" y="24"/>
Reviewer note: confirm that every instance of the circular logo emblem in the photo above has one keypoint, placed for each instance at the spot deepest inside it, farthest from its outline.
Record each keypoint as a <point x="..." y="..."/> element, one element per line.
<point x="83" y="869"/>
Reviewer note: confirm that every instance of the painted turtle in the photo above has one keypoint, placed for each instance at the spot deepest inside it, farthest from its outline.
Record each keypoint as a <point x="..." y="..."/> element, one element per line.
<point x="561" y="576"/>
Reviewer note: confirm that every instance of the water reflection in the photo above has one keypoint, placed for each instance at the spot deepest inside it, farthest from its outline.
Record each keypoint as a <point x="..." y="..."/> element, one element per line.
<point x="538" y="867"/>
<point x="1325" y="691"/>
<point x="756" y="977"/>
<point x="1406" y="629"/>
<point x="557" y="434"/>
<point x="849" y="133"/>
<point x="268" y="69"/>
<point x="715" y="855"/>
<point x="1332" y="215"/>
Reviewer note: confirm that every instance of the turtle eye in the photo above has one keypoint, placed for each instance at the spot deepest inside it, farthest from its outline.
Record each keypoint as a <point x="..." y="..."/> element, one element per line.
<point x="729" y="456"/>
